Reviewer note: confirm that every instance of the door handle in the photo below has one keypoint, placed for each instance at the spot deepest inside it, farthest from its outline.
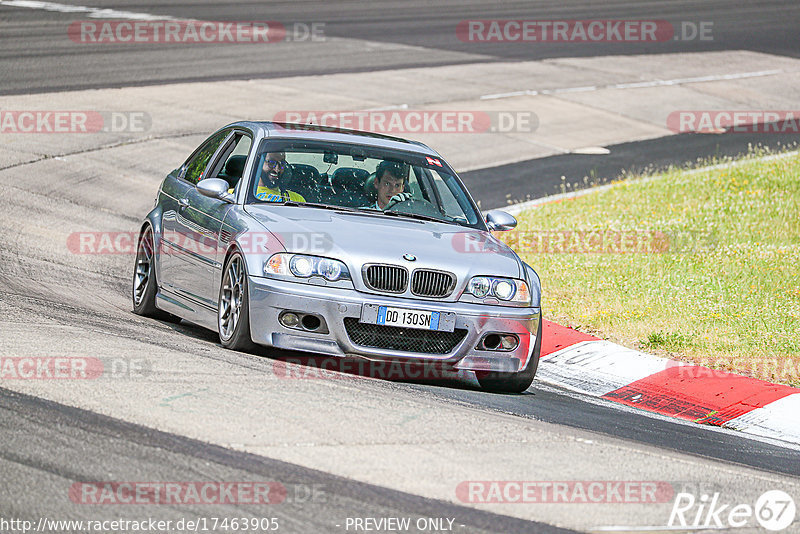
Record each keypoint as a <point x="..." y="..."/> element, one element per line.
<point x="183" y="203"/>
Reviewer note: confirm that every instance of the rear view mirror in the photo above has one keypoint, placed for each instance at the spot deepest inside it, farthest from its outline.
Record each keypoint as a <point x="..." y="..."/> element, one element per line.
<point x="358" y="154"/>
<point x="331" y="157"/>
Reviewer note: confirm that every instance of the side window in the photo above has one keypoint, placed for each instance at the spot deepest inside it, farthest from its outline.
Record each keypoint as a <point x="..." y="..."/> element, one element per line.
<point x="230" y="165"/>
<point x="197" y="164"/>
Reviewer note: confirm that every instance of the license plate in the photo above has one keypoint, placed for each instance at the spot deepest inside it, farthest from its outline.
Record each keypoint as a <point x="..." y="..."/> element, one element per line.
<point x="406" y="318"/>
<point x="425" y="320"/>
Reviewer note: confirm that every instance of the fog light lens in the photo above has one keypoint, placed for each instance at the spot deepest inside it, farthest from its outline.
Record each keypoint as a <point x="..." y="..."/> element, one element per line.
<point x="479" y="287"/>
<point x="290" y="319"/>
<point x="508" y="342"/>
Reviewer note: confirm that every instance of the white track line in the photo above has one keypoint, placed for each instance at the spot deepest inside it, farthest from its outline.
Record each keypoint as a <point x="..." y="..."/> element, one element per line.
<point x="93" y="12"/>
<point x="636" y="85"/>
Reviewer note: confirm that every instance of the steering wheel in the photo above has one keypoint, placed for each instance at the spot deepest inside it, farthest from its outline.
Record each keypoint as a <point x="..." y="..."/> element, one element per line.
<point x="416" y="207"/>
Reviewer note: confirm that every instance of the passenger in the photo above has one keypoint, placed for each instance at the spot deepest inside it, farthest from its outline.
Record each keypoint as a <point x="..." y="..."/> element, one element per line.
<point x="274" y="174"/>
<point x="390" y="179"/>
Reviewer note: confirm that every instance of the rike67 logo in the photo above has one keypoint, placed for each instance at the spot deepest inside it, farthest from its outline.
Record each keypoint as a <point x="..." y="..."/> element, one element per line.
<point x="774" y="510"/>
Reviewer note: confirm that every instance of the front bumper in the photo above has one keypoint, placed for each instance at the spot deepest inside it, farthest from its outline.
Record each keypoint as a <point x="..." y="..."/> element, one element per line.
<point x="270" y="297"/>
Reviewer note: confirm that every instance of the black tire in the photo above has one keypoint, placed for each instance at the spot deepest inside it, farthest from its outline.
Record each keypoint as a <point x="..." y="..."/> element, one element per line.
<point x="498" y="382"/>
<point x="145" y="282"/>
<point x="233" y="308"/>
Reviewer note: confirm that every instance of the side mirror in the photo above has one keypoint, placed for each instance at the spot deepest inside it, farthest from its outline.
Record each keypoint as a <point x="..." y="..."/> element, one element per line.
<point x="215" y="188"/>
<point x="500" y="221"/>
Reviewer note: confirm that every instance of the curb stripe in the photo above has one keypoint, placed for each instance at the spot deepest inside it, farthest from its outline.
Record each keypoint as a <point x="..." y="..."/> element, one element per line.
<point x="586" y="364"/>
<point x="699" y="394"/>
<point x="556" y="337"/>
<point x="599" y="367"/>
<point x="778" y="420"/>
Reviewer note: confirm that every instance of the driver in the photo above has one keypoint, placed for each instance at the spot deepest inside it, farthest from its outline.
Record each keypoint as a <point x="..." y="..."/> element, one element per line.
<point x="274" y="173"/>
<point x="389" y="183"/>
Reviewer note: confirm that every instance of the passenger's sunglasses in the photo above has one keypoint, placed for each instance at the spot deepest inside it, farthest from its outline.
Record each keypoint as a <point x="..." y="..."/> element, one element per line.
<point x="276" y="163"/>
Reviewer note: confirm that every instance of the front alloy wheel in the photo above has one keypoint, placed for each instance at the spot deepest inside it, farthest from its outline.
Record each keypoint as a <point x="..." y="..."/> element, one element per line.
<point x="233" y="314"/>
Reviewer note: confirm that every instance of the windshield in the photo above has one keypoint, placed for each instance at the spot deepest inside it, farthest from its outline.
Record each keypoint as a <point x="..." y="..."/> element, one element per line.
<point x="372" y="180"/>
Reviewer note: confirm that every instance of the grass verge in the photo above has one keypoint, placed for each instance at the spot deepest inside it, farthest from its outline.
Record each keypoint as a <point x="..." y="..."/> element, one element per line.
<point x="701" y="265"/>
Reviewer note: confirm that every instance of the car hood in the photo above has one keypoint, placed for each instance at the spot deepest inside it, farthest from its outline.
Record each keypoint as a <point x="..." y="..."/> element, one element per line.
<point x="357" y="239"/>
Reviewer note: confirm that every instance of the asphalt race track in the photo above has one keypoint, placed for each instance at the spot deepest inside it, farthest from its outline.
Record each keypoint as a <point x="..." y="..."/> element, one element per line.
<point x="89" y="446"/>
<point x="180" y="408"/>
<point x="414" y="33"/>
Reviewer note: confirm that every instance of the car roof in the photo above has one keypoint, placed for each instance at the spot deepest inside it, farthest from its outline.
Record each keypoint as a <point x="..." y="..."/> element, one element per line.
<point x="338" y="135"/>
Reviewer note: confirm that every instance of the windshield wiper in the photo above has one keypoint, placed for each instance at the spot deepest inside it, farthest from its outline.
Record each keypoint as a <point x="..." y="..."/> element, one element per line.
<point x="318" y="205"/>
<point x="415" y="216"/>
<point x="371" y="211"/>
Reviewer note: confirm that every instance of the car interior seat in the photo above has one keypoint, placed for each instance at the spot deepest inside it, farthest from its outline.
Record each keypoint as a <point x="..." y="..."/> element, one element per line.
<point x="233" y="170"/>
<point x="348" y="186"/>
<point x="305" y="180"/>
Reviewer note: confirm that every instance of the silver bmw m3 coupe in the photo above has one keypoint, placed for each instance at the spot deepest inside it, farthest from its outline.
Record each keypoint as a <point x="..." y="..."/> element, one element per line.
<point x="338" y="243"/>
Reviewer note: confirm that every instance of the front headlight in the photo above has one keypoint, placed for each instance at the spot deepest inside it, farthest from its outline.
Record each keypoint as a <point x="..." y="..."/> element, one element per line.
<point x="331" y="269"/>
<point x="302" y="266"/>
<point x="504" y="289"/>
<point x="479" y="286"/>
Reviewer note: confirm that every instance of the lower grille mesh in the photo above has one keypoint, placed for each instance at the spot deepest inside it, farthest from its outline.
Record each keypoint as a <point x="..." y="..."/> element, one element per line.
<point x="403" y="339"/>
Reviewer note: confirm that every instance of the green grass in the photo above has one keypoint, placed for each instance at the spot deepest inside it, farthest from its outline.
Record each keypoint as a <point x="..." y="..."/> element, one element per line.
<point x="702" y="266"/>
<point x="668" y="341"/>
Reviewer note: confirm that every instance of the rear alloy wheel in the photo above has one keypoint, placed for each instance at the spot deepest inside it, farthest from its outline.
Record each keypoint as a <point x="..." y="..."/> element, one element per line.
<point x="498" y="382"/>
<point x="233" y="314"/>
<point x="145" y="283"/>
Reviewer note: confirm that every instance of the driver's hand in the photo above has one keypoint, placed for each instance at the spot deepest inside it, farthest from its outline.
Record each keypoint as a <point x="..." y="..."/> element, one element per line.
<point x="400" y="197"/>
